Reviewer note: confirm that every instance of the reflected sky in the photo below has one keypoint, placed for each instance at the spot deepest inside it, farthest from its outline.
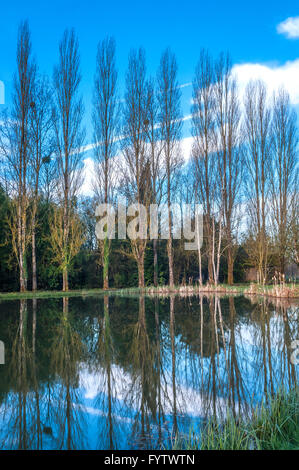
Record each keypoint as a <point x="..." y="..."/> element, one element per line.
<point x="132" y="372"/>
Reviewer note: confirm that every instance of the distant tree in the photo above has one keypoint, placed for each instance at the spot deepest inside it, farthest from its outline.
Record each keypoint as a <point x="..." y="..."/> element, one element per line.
<point x="15" y="142"/>
<point x="105" y="123"/>
<point x="136" y="184"/>
<point x="169" y="96"/>
<point x="69" y="137"/>
<point x="229" y="151"/>
<point x="155" y="154"/>
<point x="294" y="227"/>
<point x="40" y="118"/>
<point x="257" y="122"/>
<point x="203" y="149"/>
<point x="283" y="173"/>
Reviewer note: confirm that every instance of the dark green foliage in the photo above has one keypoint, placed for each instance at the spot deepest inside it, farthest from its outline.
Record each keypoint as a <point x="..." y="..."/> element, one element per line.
<point x="8" y="271"/>
<point x="86" y="271"/>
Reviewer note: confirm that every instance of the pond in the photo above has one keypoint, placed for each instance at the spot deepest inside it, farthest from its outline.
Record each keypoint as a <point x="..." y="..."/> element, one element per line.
<point x="132" y="372"/>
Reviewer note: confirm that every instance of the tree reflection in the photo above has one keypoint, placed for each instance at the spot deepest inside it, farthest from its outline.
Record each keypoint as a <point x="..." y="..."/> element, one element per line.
<point x="173" y="365"/>
<point x="141" y="395"/>
<point x="107" y="382"/>
<point x="22" y="408"/>
<point x="155" y="367"/>
<point x="67" y="410"/>
<point x="158" y="373"/>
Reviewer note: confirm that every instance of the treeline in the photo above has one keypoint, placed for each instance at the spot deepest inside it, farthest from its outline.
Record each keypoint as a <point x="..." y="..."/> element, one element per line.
<point x="243" y="171"/>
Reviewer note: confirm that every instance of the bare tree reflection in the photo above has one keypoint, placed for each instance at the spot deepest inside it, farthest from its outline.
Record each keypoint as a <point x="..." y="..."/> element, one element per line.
<point x="67" y="412"/>
<point x="22" y="408"/>
<point x="173" y="364"/>
<point x="141" y="395"/>
<point x="155" y="368"/>
<point x="107" y="382"/>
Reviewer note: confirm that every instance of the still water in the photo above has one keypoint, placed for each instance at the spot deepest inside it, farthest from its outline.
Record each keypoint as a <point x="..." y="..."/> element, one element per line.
<point x="132" y="372"/>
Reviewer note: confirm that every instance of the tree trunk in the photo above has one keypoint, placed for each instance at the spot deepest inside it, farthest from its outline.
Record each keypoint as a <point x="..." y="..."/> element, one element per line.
<point x="199" y="266"/>
<point x="169" y="242"/>
<point x="170" y="261"/>
<point x="155" y="246"/>
<point x="65" y="280"/>
<point x="65" y="286"/>
<point x="140" y="264"/>
<point x="210" y="267"/>
<point x="230" y="267"/>
<point x="199" y="256"/>
<point x="20" y="249"/>
<point x="25" y="274"/>
<point x="210" y="243"/>
<point x="106" y="250"/>
<point x="22" y="246"/>
<point x="34" y="279"/>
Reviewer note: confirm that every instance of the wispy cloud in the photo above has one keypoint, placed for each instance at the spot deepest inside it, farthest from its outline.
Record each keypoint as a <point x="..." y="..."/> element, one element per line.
<point x="184" y="85"/>
<point x="289" y="27"/>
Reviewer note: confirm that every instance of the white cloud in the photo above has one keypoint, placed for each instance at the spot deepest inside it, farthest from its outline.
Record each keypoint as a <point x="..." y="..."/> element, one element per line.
<point x="186" y="147"/>
<point x="285" y="75"/>
<point x="289" y="27"/>
<point x="274" y="76"/>
<point x="88" y="176"/>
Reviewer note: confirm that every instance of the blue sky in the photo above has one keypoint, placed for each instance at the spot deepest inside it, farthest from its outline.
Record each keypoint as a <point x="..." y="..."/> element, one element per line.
<point x="248" y="30"/>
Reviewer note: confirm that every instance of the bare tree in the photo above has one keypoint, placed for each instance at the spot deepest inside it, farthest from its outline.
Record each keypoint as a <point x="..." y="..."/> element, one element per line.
<point x="203" y="150"/>
<point x="294" y="226"/>
<point x="169" y="96"/>
<point x="67" y="119"/>
<point x="257" y="134"/>
<point x="229" y="154"/>
<point x="15" y="147"/>
<point x="40" y="129"/>
<point x="136" y="173"/>
<point x="155" y="154"/>
<point x="49" y="177"/>
<point x="105" y="124"/>
<point x="284" y="172"/>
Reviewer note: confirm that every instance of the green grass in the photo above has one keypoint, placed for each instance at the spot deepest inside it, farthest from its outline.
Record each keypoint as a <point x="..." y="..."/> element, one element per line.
<point x="149" y="290"/>
<point x="273" y="426"/>
<point x="57" y="294"/>
<point x="71" y="293"/>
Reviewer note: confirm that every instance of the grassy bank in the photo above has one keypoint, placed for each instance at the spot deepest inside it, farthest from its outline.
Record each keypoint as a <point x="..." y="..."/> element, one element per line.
<point x="289" y="291"/>
<point x="273" y="426"/>
<point x="279" y="291"/>
<point x="54" y="294"/>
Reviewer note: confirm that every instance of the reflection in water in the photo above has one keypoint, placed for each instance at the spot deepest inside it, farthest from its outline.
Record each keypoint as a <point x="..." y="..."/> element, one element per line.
<point x="172" y="335"/>
<point x="141" y="394"/>
<point x="66" y="420"/>
<point x="106" y="390"/>
<point x="21" y="409"/>
<point x="119" y="373"/>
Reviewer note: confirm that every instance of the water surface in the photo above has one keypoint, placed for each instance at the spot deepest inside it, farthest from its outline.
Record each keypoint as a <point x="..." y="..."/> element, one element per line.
<point x="132" y="372"/>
